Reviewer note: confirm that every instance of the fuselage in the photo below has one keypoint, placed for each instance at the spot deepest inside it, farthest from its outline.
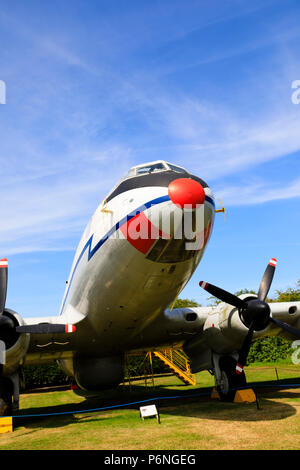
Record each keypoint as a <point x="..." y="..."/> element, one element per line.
<point x="131" y="263"/>
<point x="137" y="253"/>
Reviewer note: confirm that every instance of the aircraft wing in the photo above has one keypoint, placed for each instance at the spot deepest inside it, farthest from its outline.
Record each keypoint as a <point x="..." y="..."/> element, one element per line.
<point x="201" y="331"/>
<point x="41" y="340"/>
<point x="174" y="327"/>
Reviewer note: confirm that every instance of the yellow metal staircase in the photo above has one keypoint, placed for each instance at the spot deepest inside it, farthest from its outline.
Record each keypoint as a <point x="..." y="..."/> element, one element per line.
<point x="178" y="363"/>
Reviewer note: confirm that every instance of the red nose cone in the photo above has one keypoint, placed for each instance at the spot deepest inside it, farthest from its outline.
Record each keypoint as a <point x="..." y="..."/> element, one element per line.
<point x="185" y="191"/>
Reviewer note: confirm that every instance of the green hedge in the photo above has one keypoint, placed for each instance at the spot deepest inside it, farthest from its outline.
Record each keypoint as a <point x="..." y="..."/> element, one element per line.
<point x="52" y="375"/>
<point x="140" y="365"/>
<point x="44" y="376"/>
<point x="269" y="349"/>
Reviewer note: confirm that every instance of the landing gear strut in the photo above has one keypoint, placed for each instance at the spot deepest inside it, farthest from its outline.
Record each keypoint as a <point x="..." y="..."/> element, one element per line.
<point x="227" y="380"/>
<point x="9" y="393"/>
<point x="6" y="394"/>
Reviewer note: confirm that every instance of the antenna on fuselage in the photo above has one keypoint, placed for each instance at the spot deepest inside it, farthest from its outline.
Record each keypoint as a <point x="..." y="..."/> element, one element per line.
<point x="221" y="210"/>
<point x="104" y="206"/>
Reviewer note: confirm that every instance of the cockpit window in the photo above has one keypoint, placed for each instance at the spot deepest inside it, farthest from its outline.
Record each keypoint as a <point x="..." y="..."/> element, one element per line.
<point x="155" y="167"/>
<point x="152" y="168"/>
<point x="171" y="251"/>
<point x="177" y="168"/>
<point x="139" y="176"/>
<point x="129" y="174"/>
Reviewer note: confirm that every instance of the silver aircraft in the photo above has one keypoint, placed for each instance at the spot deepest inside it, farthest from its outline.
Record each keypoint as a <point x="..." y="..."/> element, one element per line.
<point x="137" y="253"/>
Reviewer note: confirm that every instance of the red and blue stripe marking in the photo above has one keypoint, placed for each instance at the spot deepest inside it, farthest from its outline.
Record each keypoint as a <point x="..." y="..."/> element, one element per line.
<point x="125" y="220"/>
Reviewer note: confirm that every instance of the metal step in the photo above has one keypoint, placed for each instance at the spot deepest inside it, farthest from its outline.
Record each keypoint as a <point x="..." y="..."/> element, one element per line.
<point x="178" y="363"/>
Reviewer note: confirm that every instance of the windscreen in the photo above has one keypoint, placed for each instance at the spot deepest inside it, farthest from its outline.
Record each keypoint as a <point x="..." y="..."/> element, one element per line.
<point x="177" y="168"/>
<point x="151" y="168"/>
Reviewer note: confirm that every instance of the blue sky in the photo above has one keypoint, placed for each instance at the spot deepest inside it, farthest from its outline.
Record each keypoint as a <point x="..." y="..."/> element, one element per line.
<point x="93" y="88"/>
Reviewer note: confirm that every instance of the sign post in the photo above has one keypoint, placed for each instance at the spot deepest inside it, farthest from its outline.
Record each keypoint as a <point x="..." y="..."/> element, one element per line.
<point x="148" y="412"/>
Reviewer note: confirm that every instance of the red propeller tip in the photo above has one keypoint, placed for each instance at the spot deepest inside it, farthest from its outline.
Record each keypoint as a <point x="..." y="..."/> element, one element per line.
<point x="70" y="328"/>
<point x="203" y="284"/>
<point x="273" y="262"/>
<point x="239" y="368"/>
<point x="3" y="263"/>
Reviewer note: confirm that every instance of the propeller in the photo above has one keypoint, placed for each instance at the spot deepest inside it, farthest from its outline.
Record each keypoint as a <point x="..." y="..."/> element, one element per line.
<point x="255" y="313"/>
<point x="5" y="322"/>
<point x="3" y="283"/>
<point x="8" y="326"/>
<point x="46" y="328"/>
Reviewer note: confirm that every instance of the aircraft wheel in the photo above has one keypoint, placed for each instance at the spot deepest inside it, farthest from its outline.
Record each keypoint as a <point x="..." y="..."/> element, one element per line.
<point x="230" y="379"/>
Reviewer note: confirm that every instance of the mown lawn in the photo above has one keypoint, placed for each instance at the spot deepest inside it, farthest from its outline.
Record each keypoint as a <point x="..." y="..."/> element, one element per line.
<point x="187" y="423"/>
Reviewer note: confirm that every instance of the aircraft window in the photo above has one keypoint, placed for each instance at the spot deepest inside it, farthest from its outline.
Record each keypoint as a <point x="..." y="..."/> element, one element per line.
<point x="129" y="174"/>
<point x="176" y="252"/>
<point x="171" y="251"/>
<point x="177" y="168"/>
<point x="157" y="249"/>
<point x="155" y="167"/>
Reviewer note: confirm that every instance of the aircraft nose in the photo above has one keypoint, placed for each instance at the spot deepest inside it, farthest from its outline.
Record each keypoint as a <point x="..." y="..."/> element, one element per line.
<point x="185" y="191"/>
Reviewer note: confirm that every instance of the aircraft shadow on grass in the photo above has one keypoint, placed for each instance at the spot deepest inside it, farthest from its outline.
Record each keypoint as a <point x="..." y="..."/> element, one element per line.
<point x="194" y="402"/>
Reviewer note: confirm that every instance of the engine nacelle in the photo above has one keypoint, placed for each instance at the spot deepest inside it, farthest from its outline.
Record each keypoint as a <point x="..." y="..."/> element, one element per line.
<point x="224" y="330"/>
<point x="223" y="333"/>
<point x="16" y="344"/>
<point x="95" y="373"/>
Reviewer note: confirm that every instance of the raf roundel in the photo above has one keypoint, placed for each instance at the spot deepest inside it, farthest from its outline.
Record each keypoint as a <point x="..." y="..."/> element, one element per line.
<point x="186" y="192"/>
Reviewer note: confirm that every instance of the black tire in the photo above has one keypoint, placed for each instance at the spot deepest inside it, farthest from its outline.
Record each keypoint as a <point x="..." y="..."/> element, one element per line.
<point x="231" y="380"/>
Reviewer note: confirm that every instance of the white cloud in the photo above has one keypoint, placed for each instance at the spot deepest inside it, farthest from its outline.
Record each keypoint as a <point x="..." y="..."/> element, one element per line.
<point x="214" y="141"/>
<point x="68" y="143"/>
<point x="258" y="193"/>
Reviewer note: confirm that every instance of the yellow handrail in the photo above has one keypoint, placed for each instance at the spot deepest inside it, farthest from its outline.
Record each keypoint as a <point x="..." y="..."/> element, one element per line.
<point x="178" y="362"/>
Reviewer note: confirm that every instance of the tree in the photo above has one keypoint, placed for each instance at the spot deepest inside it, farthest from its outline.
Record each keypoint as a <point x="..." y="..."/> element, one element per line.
<point x="239" y="292"/>
<point x="182" y="303"/>
<point x="270" y="349"/>
<point x="290" y="295"/>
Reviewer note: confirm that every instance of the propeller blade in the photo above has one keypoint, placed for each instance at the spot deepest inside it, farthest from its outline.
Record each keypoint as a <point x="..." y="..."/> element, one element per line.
<point x="244" y="351"/>
<point x="223" y="295"/>
<point x="267" y="279"/>
<point x="46" y="328"/>
<point x="3" y="283"/>
<point x="286" y="327"/>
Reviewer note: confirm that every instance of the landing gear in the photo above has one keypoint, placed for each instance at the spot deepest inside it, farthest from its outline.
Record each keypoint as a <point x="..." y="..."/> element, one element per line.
<point x="9" y="394"/>
<point x="227" y="380"/>
<point x="6" y="395"/>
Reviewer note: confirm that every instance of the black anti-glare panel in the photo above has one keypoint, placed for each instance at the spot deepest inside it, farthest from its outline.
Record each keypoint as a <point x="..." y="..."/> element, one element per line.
<point x="152" y="179"/>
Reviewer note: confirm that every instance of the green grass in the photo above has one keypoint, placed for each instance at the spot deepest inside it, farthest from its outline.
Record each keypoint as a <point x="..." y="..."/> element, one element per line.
<point x="186" y="423"/>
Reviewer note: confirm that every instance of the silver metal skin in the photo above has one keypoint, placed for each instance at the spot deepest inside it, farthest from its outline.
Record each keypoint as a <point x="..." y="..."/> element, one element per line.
<point x="116" y="295"/>
<point x="119" y="298"/>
